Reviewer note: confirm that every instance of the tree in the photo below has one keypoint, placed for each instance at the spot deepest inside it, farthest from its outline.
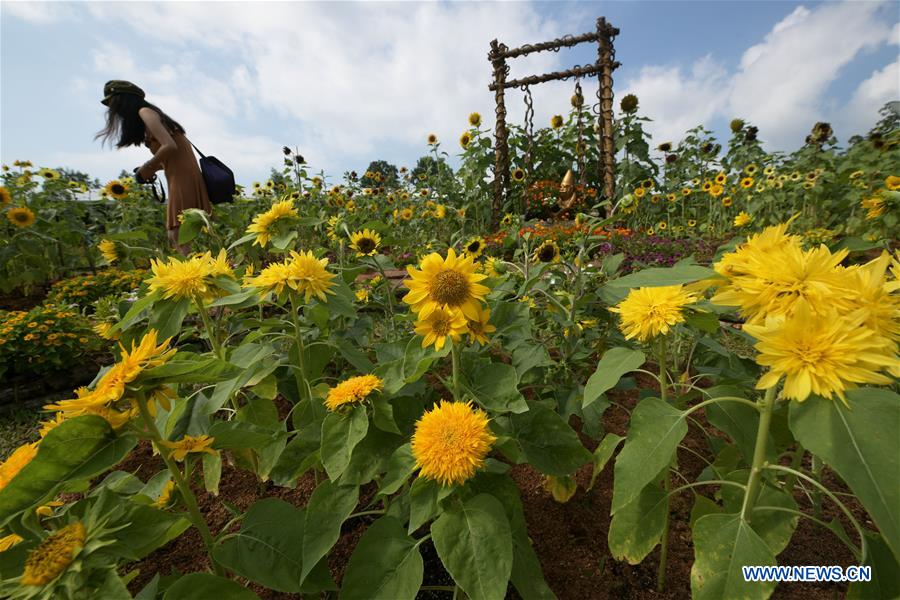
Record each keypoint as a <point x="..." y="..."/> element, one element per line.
<point x="387" y="171"/>
<point x="432" y="168"/>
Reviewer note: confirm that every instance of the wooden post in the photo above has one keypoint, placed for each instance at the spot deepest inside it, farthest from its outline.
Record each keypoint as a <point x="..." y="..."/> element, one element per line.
<point x="605" y="95"/>
<point x="501" y="141"/>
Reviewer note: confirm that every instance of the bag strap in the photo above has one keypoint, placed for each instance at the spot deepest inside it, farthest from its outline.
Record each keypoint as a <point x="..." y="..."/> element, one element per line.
<point x="197" y="149"/>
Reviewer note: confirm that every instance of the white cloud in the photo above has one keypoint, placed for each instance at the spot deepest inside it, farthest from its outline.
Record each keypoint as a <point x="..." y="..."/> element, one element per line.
<point x="781" y="83"/>
<point x="38" y="12"/>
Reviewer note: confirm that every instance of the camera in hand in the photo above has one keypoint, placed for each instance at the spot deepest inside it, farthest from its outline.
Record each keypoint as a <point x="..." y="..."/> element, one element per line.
<point x="139" y="179"/>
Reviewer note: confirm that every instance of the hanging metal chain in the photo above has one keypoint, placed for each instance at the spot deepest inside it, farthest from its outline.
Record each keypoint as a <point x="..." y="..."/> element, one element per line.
<point x="529" y="129"/>
<point x="579" y="145"/>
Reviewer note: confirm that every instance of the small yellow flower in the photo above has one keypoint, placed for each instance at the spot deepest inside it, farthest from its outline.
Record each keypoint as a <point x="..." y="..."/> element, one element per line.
<point x="451" y="442"/>
<point x="480" y="327"/>
<point x="742" y="219"/>
<point x="649" y="312"/>
<point x="190" y="444"/>
<point x="892" y="183"/>
<point x="362" y="295"/>
<point x="352" y="391"/>
<point x="165" y="495"/>
<point x="108" y="250"/>
<point x="365" y="242"/>
<point x="440" y="324"/>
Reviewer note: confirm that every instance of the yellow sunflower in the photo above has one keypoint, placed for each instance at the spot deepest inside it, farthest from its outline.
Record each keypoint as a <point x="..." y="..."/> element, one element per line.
<point x="747" y="182"/>
<point x="432" y="139"/>
<point x="46" y="562"/>
<point x="726" y="201"/>
<point x="108" y="250"/>
<point x="892" y="182"/>
<point x="48" y="174"/>
<point x="5" y="196"/>
<point x="263" y="222"/>
<point x="480" y="327"/>
<point x="474" y="247"/>
<point x="180" y="278"/>
<point x="451" y="442"/>
<point x="649" y="312"/>
<point x="742" y="219"/>
<point x="556" y="121"/>
<point x="365" y="242"/>
<point x="21" y="216"/>
<point x="116" y="189"/>
<point x="451" y="283"/>
<point x="518" y="174"/>
<point x="16" y="461"/>
<point x="547" y="252"/>
<point x="874" y="207"/>
<point x="823" y="354"/>
<point x="190" y="444"/>
<point x="309" y="275"/>
<point x="353" y="390"/>
<point x="465" y="139"/>
<point x="440" y="324"/>
<point x="474" y="119"/>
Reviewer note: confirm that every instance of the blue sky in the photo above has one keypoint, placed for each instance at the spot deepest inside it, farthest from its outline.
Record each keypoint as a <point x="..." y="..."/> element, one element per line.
<point x="351" y="82"/>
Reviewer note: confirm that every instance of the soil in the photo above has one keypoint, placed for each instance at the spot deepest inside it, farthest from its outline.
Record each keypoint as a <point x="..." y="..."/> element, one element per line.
<point x="569" y="538"/>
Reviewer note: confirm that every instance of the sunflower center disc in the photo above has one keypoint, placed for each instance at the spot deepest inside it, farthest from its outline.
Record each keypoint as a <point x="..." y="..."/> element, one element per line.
<point x="365" y="245"/>
<point x="450" y="287"/>
<point x="547" y="253"/>
<point x="441" y="326"/>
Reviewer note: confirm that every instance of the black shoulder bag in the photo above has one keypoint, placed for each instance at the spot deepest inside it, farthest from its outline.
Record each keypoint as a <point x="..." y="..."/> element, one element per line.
<point x="218" y="178"/>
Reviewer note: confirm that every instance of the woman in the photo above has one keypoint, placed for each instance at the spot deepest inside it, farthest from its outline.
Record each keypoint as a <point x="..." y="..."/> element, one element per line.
<point x="134" y="121"/>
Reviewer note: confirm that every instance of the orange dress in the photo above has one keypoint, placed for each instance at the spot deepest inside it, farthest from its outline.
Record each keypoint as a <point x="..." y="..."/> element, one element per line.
<point x="186" y="186"/>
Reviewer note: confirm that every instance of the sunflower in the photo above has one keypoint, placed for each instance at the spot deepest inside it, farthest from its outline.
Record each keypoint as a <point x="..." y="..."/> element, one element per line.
<point x="451" y="442"/>
<point x="662" y="225"/>
<point x="874" y="296"/>
<point x="16" y="461"/>
<point x="274" y="278"/>
<point x="716" y="190"/>
<point x="691" y="223"/>
<point x="309" y="276"/>
<point x="655" y="199"/>
<point x="365" y="242"/>
<point x="726" y="201"/>
<point x="576" y="100"/>
<point x="721" y="178"/>
<point x="20" y="216"/>
<point x="48" y="174"/>
<point x="808" y="185"/>
<point x="742" y="219"/>
<point x="406" y="214"/>
<point x="823" y="354"/>
<point x="5" y="196"/>
<point x="263" y="222"/>
<point x="769" y="171"/>
<point x="451" y="283"/>
<point x="440" y="211"/>
<point x="686" y="191"/>
<point x="649" y="312"/>
<point x="46" y="562"/>
<point x="474" y="119"/>
<point x="547" y="252"/>
<point x="638" y="192"/>
<point x="629" y="103"/>
<point x="180" y="278"/>
<point x="892" y="182"/>
<point x="707" y="185"/>
<point x="556" y="121"/>
<point x="465" y="139"/>
<point x="190" y="444"/>
<point x="353" y="390"/>
<point x="874" y="206"/>
<point x="518" y="174"/>
<point x="440" y="324"/>
<point x="665" y="147"/>
<point x="108" y="250"/>
<point x="650" y="231"/>
<point x="432" y="139"/>
<point x="362" y="295"/>
<point x="695" y="181"/>
<point x="796" y="176"/>
<point x="474" y="247"/>
<point x="116" y="189"/>
<point x="480" y="327"/>
<point x="672" y="197"/>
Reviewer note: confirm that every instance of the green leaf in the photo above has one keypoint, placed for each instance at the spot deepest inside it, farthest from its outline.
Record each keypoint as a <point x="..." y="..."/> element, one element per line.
<point x="704" y="321"/>
<point x="654" y="433"/>
<point x="203" y="586"/>
<point x="340" y="434"/>
<point x="775" y="527"/>
<point x="134" y="313"/>
<point x="474" y="542"/>
<point x="166" y="316"/>
<point x="268" y="549"/>
<point x="740" y="422"/>
<point x="723" y="543"/>
<point x="495" y="387"/>
<point x="659" y="276"/>
<point x="549" y="444"/>
<point x="246" y="297"/>
<point x="212" y="472"/>
<point x="148" y="529"/>
<point x="298" y="456"/>
<point x="401" y="465"/>
<point x="328" y="508"/>
<point x="637" y="527"/>
<point x="612" y="366"/>
<point x="603" y="453"/>
<point x="885" y="584"/>
<point x="79" y="448"/>
<point x="386" y="564"/>
<point x="240" y="434"/>
<point x="703" y="506"/>
<point x="424" y="498"/>
<point x="861" y="444"/>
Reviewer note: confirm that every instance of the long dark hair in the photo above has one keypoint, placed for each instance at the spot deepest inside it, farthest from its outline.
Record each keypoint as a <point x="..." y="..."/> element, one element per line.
<point x="124" y="122"/>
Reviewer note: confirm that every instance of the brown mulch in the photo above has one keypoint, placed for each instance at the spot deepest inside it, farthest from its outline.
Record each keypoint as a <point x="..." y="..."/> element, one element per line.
<point x="569" y="539"/>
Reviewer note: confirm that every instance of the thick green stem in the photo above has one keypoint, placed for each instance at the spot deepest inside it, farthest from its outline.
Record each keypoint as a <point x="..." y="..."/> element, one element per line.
<point x="817" y="466"/>
<point x="663" y="387"/>
<point x="454" y="354"/>
<point x="664" y="543"/>
<point x="389" y="291"/>
<point x="186" y="493"/>
<point x="796" y="462"/>
<point x="300" y="372"/>
<point x="759" y="454"/>
<point x="210" y="332"/>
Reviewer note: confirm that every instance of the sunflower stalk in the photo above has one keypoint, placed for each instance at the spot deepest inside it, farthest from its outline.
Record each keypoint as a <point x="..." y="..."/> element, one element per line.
<point x="300" y="371"/>
<point x="454" y="355"/>
<point x="187" y="494"/>
<point x="759" y="454"/>
<point x="210" y="330"/>
<point x="664" y="542"/>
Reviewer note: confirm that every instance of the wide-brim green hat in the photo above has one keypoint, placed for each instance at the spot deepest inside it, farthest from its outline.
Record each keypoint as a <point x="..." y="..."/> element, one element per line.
<point x="119" y="86"/>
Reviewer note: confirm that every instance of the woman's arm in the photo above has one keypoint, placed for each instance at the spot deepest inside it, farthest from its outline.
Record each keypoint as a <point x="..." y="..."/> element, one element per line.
<point x="166" y="144"/>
